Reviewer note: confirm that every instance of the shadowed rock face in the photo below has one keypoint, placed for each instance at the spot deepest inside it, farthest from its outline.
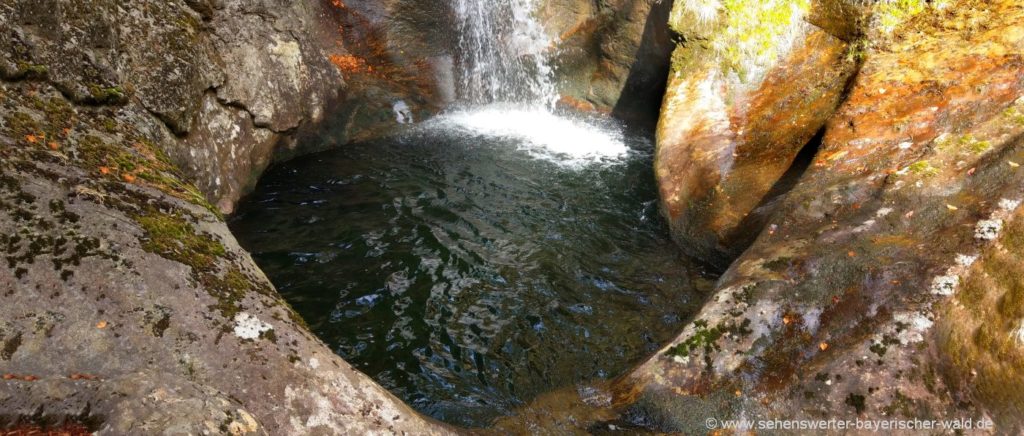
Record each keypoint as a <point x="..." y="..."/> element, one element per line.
<point x="886" y="284"/>
<point x="127" y="305"/>
<point x="611" y="56"/>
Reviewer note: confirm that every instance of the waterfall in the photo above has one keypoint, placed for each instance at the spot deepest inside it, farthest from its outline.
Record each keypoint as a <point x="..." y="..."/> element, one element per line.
<point x="505" y="79"/>
<point x="503" y="53"/>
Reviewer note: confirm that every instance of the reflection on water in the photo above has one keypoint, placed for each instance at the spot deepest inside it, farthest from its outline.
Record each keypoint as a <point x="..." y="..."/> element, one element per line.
<point x="469" y="268"/>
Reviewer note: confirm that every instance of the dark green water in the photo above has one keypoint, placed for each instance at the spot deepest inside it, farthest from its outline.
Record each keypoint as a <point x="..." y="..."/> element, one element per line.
<point x="467" y="275"/>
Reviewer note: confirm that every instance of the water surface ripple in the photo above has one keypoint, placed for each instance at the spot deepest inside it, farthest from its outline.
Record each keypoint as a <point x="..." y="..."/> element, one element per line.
<point x="468" y="269"/>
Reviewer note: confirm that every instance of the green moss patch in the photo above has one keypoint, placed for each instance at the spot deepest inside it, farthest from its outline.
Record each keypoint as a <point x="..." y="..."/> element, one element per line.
<point x="742" y="33"/>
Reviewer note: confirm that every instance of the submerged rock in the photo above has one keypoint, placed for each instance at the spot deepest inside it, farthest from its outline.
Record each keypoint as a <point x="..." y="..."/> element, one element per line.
<point x="885" y="286"/>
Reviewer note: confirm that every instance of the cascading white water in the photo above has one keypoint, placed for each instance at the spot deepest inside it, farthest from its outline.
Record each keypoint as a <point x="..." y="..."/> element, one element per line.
<point x="503" y="53"/>
<point x="507" y="88"/>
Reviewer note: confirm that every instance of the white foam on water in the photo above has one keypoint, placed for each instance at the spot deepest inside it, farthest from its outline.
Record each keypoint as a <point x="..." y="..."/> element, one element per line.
<point x="543" y="134"/>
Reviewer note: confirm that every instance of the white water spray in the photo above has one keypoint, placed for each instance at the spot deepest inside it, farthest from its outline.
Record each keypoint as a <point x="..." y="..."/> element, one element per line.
<point x="503" y="53"/>
<point x="506" y="78"/>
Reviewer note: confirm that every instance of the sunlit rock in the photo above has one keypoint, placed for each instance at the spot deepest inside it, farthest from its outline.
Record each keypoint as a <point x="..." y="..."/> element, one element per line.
<point x="929" y="132"/>
<point x="750" y="86"/>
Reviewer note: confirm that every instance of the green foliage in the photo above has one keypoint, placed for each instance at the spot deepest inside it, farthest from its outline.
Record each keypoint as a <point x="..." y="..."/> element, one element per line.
<point x="1014" y="114"/>
<point x="745" y="34"/>
<point x="107" y="94"/>
<point x="32" y="71"/>
<point x="170" y="236"/>
<point x="966" y="144"/>
<point x="703" y="338"/>
<point x="892" y="13"/>
<point x="923" y="168"/>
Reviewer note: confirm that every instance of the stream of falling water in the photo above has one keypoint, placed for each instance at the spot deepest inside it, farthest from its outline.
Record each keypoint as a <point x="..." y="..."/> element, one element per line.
<point x="503" y="54"/>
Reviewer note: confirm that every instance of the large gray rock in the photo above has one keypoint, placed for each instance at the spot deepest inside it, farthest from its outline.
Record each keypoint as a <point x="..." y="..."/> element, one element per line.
<point x="267" y="65"/>
<point x="128" y="307"/>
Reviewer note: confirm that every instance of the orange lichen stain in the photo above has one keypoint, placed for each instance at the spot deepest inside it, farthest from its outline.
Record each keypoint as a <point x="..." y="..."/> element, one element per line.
<point x="350" y="64"/>
<point x="893" y="240"/>
<point x="579" y="105"/>
<point x="77" y="376"/>
<point x="583" y="26"/>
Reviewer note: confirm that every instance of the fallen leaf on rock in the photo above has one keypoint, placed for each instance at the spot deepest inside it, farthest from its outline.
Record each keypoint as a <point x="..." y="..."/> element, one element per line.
<point x="104" y="170"/>
<point x="129" y="178"/>
<point x="951" y="207"/>
<point x="101" y="325"/>
<point x="54" y="146"/>
<point x="10" y="376"/>
<point x="971" y="171"/>
<point x="1013" y="164"/>
<point x="823" y="346"/>
<point x="30" y="378"/>
<point x="31" y="138"/>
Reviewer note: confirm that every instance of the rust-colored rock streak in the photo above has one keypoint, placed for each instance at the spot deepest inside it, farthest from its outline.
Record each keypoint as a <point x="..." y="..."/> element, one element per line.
<point x="888" y="286"/>
<point x="723" y="144"/>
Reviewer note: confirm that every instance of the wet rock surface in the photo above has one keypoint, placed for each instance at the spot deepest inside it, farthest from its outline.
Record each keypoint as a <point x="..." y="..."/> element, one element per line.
<point x="611" y="56"/>
<point x="885" y="285"/>
<point x="749" y="88"/>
